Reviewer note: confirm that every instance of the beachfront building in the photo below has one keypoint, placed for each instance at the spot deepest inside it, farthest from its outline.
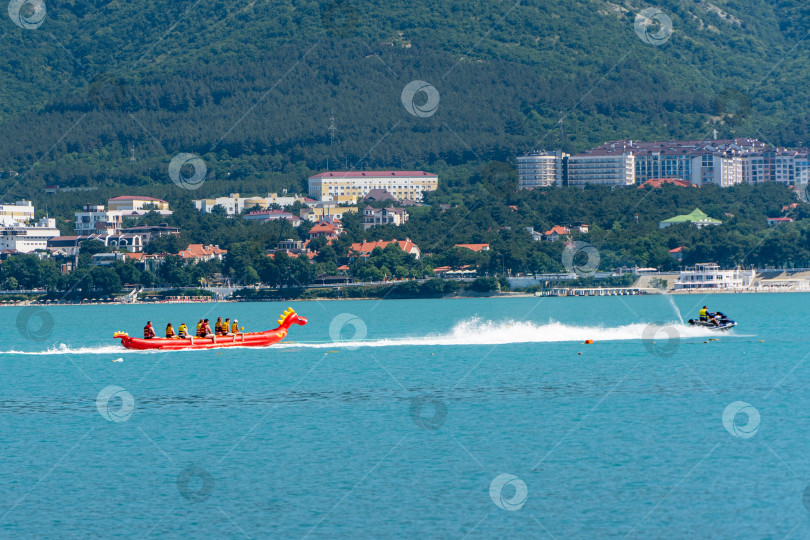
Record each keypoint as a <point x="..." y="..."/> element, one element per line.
<point x="16" y="214"/>
<point x="350" y="186"/>
<point x="603" y="166"/>
<point x="373" y="217"/>
<point x="695" y="217"/>
<point x="136" y="205"/>
<point x="25" y="238"/>
<point x="541" y="169"/>
<point x="235" y="204"/>
<point x="709" y="276"/>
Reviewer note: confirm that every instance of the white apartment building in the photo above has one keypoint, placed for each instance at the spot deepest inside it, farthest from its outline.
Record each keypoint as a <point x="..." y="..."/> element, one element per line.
<point x="373" y="217"/>
<point x="717" y="169"/>
<point x="17" y="213"/>
<point x="602" y="168"/>
<point x="94" y="219"/>
<point x="349" y="186"/>
<point x="789" y="167"/>
<point x="235" y="204"/>
<point x="541" y="169"/>
<point x="25" y="239"/>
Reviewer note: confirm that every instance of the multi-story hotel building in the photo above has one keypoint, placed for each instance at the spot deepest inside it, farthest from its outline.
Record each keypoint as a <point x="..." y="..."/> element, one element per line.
<point x="605" y="167"/>
<point x="703" y="162"/>
<point x="540" y="169"/>
<point x="350" y="186"/>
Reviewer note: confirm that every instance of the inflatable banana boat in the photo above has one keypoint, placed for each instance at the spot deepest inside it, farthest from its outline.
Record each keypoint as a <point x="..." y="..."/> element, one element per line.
<point x="249" y="339"/>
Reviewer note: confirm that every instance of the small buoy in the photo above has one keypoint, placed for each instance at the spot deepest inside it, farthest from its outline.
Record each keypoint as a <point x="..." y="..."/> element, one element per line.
<point x="331" y="351"/>
<point x="762" y="341"/>
<point x="588" y="341"/>
<point x="705" y="342"/>
<point x="118" y="360"/>
<point x="579" y="353"/>
<point x="219" y="353"/>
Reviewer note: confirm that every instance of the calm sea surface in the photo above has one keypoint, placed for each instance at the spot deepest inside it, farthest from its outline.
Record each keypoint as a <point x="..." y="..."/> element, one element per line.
<point x="409" y="419"/>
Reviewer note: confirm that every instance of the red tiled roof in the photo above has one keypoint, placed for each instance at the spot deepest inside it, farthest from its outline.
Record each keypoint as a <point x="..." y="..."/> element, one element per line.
<point x="372" y="174"/>
<point x="474" y="247"/>
<point x="780" y="219"/>
<point x="196" y="251"/>
<point x="658" y="182"/>
<point x="343" y="267"/>
<point x="365" y="248"/>
<point x="676" y="250"/>
<point x="323" y="226"/>
<point x="557" y="229"/>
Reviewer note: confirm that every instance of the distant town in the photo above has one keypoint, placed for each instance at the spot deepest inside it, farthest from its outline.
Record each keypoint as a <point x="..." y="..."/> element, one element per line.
<point x="386" y="198"/>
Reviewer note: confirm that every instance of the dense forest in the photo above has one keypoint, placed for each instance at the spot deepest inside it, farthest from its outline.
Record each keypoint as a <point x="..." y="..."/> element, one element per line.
<point x="105" y="94"/>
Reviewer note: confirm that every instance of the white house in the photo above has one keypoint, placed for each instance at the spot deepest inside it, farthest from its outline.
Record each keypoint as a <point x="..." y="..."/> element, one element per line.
<point x="95" y="219"/>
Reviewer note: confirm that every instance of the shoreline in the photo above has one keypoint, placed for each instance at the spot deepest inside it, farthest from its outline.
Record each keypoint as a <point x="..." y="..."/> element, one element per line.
<point x="24" y="303"/>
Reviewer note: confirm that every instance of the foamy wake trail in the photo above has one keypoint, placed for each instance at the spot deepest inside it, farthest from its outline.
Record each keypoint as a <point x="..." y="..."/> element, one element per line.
<point x="477" y="332"/>
<point x="65" y="349"/>
<point x="468" y="332"/>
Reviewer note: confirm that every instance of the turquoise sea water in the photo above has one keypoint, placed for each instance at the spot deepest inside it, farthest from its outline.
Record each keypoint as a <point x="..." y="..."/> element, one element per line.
<point x="417" y="418"/>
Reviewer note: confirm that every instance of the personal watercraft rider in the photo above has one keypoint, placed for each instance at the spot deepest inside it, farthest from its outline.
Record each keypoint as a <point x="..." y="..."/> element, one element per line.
<point x="148" y="331"/>
<point x="706" y="316"/>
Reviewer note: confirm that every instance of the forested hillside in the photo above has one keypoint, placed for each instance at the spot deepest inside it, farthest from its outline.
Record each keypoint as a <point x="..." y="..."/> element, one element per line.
<point x="251" y="87"/>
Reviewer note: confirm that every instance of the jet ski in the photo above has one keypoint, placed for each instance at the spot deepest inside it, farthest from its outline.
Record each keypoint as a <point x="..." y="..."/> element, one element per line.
<point x="723" y="322"/>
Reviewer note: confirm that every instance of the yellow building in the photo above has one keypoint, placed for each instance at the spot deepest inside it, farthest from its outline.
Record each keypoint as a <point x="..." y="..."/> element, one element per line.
<point x="135" y="203"/>
<point x="17" y="213"/>
<point x="350" y="186"/>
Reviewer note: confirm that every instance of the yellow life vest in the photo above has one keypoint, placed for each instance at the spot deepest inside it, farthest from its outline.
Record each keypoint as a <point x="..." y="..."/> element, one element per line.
<point x="169" y="331"/>
<point x="182" y="329"/>
<point x="234" y="328"/>
<point x="703" y="313"/>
